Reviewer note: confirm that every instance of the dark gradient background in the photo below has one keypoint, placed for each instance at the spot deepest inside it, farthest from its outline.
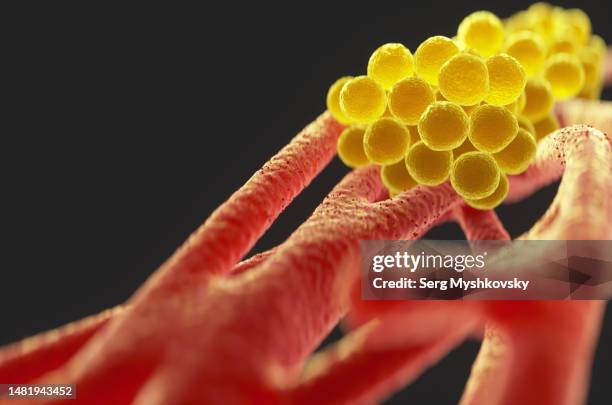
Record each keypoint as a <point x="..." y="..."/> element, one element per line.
<point x="132" y="125"/>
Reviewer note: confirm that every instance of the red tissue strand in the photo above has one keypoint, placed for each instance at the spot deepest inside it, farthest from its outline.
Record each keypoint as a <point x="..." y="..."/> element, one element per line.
<point x="205" y="329"/>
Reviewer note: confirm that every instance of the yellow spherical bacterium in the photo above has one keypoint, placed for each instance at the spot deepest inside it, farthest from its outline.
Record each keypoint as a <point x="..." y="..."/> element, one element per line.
<point x="386" y="141"/>
<point x="517" y="22"/>
<point x="389" y="64"/>
<point x="539" y="99"/>
<point x="428" y="166"/>
<point x="492" y="128"/>
<point x="464" y="79"/>
<point x="363" y="100"/>
<point x="591" y="65"/>
<point x="483" y="31"/>
<point x="593" y="77"/>
<point x="333" y="100"/>
<point x="492" y="201"/>
<point x="565" y="74"/>
<point x="408" y="99"/>
<point x="475" y="175"/>
<point x="516" y="157"/>
<point x="350" y="146"/>
<point x="540" y="8"/>
<point x="396" y="177"/>
<point x="545" y="126"/>
<point x="443" y="126"/>
<point x="506" y="79"/>
<point x="431" y="55"/>
<point x="526" y="125"/>
<point x="598" y="44"/>
<point x="529" y="49"/>
<point x="563" y="44"/>
<point x="580" y="23"/>
<point x="544" y="21"/>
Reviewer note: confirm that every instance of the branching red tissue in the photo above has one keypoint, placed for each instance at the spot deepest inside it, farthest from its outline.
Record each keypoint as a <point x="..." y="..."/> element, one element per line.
<point x="207" y="329"/>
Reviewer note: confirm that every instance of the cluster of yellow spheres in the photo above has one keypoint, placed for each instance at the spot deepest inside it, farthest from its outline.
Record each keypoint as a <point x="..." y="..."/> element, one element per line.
<point x="468" y="109"/>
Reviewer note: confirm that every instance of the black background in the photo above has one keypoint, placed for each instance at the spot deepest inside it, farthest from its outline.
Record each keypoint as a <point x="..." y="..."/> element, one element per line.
<point x="126" y="128"/>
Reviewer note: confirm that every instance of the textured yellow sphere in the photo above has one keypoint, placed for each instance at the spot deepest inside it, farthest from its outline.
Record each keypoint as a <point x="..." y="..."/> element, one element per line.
<point x="333" y="100"/>
<point x="544" y="21"/>
<point x="563" y="44"/>
<point x="492" y="128"/>
<point x="389" y="64"/>
<point x="517" y="22"/>
<point x="591" y="57"/>
<point x="592" y="66"/>
<point x="431" y="55"/>
<point x="482" y="31"/>
<point x="363" y="100"/>
<point x="492" y="201"/>
<point x="540" y="8"/>
<point x="539" y="99"/>
<point x="565" y="74"/>
<point x="443" y="126"/>
<point x="529" y="49"/>
<point x="580" y="23"/>
<point x="396" y="177"/>
<point x="464" y="79"/>
<point x="517" y="156"/>
<point x="475" y="175"/>
<point x="386" y="141"/>
<point x="428" y="166"/>
<point x="350" y="147"/>
<point x="546" y="126"/>
<point x="526" y="125"/>
<point x="598" y="45"/>
<point x="507" y="79"/>
<point x="409" y="98"/>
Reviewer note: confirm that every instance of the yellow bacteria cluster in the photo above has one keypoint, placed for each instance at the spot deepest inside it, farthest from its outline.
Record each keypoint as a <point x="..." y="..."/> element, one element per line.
<point x="468" y="109"/>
